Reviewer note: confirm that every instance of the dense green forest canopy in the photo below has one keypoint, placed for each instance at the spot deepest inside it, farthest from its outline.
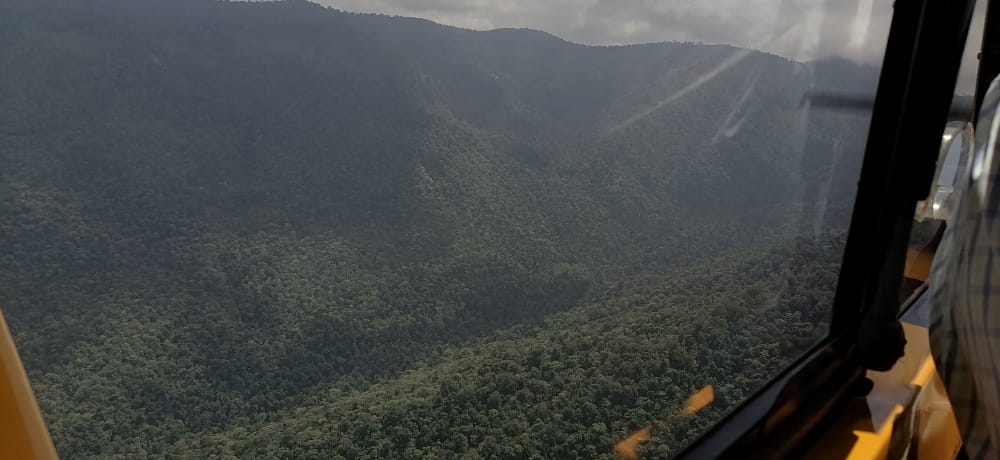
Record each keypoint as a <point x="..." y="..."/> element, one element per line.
<point x="281" y="230"/>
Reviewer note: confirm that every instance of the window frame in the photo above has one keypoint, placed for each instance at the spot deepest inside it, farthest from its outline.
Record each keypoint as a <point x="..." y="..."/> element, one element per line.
<point x="916" y="83"/>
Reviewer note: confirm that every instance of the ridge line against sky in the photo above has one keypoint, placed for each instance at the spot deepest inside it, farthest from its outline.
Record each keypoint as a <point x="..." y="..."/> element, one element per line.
<point x="853" y="29"/>
<point x="800" y="30"/>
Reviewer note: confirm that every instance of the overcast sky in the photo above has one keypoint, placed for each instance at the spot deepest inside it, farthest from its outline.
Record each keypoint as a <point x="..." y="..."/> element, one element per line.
<point x="797" y="29"/>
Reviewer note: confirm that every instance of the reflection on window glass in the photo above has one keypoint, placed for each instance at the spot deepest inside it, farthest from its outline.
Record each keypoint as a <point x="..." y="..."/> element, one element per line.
<point x="279" y="229"/>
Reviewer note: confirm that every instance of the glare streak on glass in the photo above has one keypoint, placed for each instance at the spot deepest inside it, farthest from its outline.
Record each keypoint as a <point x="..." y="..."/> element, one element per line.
<point x="862" y="23"/>
<point x="694" y="85"/>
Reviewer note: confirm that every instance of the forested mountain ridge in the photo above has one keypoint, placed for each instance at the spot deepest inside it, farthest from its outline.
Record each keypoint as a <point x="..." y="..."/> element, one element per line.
<point x="212" y="213"/>
<point x="578" y="384"/>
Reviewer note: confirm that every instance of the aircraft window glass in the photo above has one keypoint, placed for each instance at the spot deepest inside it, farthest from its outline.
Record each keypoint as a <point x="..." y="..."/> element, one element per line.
<point x="278" y="229"/>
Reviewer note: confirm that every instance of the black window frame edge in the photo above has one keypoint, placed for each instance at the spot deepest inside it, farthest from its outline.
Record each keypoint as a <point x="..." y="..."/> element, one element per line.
<point x="919" y="71"/>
